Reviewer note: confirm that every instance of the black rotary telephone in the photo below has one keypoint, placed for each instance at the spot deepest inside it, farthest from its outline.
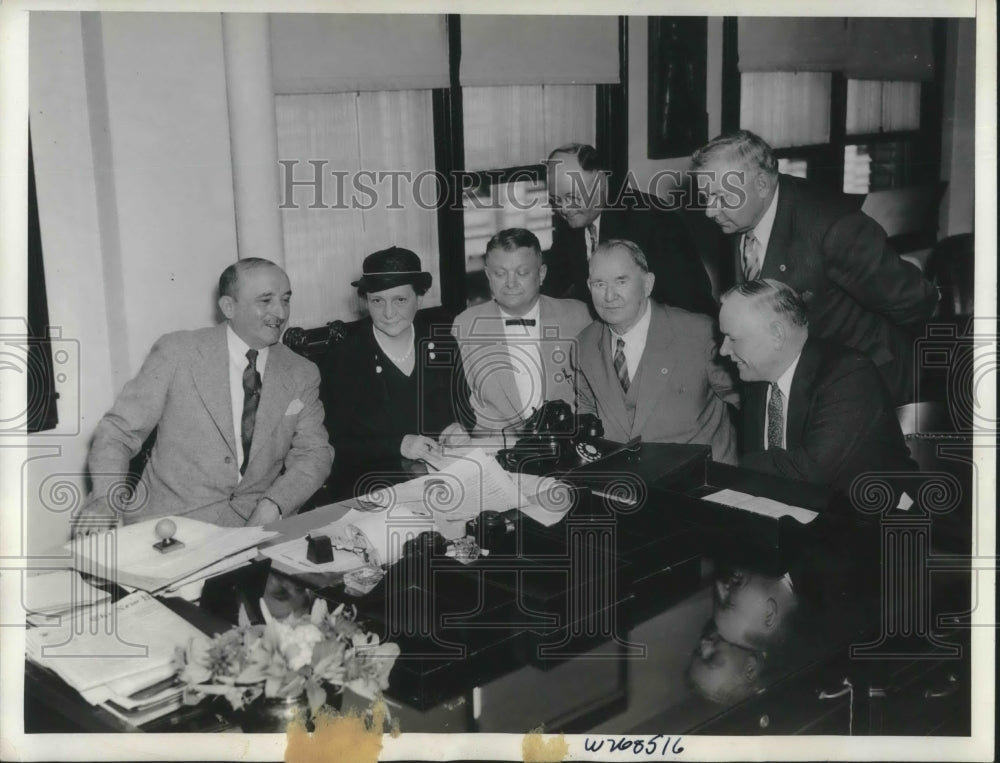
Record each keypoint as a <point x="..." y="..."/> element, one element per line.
<point x="553" y="438"/>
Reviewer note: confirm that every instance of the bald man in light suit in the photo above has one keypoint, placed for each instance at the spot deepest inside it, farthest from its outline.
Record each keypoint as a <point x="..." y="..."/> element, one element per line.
<point x="217" y="458"/>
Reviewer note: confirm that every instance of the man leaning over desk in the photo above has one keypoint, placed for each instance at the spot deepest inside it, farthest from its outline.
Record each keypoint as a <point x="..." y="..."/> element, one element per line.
<point x="239" y="424"/>
<point x="516" y="348"/>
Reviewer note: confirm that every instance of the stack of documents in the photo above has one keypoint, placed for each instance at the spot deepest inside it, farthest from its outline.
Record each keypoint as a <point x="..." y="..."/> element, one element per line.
<point x="760" y="505"/>
<point x="126" y="555"/>
<point x="52" y="594"/>
<point x="117" y="655"/>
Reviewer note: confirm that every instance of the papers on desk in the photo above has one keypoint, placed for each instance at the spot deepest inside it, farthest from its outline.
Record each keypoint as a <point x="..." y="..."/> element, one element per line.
<point x="112" y="653"/>
<point x="131" y="560"/>
<point x="760" y="505"/>
<point x="547" y="500"/>
<point x="50" y="594"/>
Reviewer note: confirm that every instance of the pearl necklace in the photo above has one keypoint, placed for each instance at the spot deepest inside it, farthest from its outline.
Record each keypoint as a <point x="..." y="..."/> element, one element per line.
<point x="393" y="358"/>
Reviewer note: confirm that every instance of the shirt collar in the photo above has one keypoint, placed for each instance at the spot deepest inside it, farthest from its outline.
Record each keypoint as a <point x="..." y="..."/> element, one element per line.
<point x="532" y="314"/>
<point x="636" y="335"/>
<point x="238" y="350"/>
<point x="785" y="380"/>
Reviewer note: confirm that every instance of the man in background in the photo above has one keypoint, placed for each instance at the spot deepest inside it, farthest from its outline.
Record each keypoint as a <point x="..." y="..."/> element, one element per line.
<point x="239" y="425"/>
<point x="648" y="370"/>
<point x="858" y="291"/>
<point x="585" y="216"/>
<point x="516" y="348"/>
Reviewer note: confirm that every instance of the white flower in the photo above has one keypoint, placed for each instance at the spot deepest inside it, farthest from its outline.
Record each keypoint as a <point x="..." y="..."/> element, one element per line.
<point x="296" y="643"/>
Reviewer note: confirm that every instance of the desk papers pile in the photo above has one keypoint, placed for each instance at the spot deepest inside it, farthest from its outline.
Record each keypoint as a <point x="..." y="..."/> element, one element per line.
<point x="117" y="656"/>
<point x="52" y="594"/>
<point x="126" y="555"/>
<point x="760" y="505"/>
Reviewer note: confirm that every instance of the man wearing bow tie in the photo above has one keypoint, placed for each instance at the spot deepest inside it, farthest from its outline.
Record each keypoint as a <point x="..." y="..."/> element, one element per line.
<point x="239" y="425"/>
<point x="516" y="349"/>
<point x="813" y="410"/>
<point x="649" y="370"/>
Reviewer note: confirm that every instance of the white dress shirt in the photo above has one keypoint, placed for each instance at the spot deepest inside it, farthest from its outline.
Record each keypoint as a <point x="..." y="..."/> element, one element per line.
<point x="785" y="385"/>
<point x="635" y="342"/>
<point x="762" y="231"/>
<point x="526" y="358"/>
<point x="237" y="365"/>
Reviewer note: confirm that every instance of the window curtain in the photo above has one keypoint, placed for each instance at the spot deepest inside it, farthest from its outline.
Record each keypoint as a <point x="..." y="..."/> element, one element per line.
<point x="786" y="108"/>
<point x="539" y="50"/>
<point x="351" y="132"/>
<point x="514" y="126"/>
<point x="345" y="52"/>
<point x="874" y="106"/>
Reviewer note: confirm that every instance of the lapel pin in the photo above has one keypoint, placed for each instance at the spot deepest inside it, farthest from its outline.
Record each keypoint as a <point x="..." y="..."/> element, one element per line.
<point x="663" y="371"/>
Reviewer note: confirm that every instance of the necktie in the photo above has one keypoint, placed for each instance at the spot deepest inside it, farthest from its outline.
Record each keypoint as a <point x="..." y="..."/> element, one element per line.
<point x="621" y="367"/>
<point x="591" y="239"/>
<point x="751" y="256"/>
<point x="519" y="322"/>
<point x="251" y="397"/>
<point x="775" y="418"/>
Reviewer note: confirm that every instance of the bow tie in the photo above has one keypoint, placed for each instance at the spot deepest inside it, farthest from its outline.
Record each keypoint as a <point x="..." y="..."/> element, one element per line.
<point x="519" y="322"/>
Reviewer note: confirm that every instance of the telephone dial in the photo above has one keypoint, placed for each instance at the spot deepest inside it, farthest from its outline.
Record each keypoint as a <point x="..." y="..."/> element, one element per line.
<point x="555" y="439"/>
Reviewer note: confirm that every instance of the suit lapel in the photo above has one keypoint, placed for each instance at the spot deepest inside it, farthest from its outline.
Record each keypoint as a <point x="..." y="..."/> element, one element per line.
<point x="274" y="400"/>
<point x="754" y="403"/>
<point x="798" y="402"/>
<point x="779" y="243"/>
<point x="607" y="381"/>
<point x="211" y="378"/>
<point x="656" y="356"/>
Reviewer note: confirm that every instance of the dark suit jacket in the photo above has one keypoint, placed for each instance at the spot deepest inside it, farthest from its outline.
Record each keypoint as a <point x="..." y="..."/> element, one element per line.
<point x="183" y="392"/>
<point x="365" y="422"/>
<point x="679" y="392"/>
<point x="840" y="421"/>
<point x="681" y="280"/>
<point x="859" y="292"/>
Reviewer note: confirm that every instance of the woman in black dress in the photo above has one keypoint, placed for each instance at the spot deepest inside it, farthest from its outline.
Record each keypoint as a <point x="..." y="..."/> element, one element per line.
<point x="393" y="385"/>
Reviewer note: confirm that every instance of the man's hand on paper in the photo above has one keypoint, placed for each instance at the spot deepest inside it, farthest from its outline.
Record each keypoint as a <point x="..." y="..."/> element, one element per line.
<point x="95" y="516"/>
<point x="454" y="436"/>
<point x="265" y="512"/>
<point x="415" y="447"/>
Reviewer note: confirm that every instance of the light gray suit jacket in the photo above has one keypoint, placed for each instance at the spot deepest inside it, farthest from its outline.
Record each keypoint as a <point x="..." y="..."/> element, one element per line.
<point x="182" y="391"/>
<point x="494" y="397"/>
<point x="679" y="392"/>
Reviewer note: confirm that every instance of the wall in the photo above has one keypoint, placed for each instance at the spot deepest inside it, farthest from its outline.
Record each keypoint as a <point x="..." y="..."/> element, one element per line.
<point x="638" y="98"/>
<point x="958" y="157"/>
<point x="132" y="160"/>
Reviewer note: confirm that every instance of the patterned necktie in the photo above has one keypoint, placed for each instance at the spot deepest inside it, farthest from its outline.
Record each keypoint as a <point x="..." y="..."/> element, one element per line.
<point x="775" y="419"/>
<point x="591" y="239"/>
<point x="751" y="258"/>
<point x="251" y="397"/>
<point x="621" y="367"/>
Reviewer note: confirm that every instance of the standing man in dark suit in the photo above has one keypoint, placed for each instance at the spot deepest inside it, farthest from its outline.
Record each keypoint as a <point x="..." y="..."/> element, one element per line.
<point x="859" y="292"/>
<point x="813" y="410"/>
<point x="585" y="217"/>
<point x="649" y="370"/>
<point x="239" y="425"/>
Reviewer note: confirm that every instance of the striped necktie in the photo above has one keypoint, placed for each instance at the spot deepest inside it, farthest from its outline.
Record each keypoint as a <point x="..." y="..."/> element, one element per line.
<point x="776" y="419"/>
<point x="751" y="256"/>
<point x="251" y="397"/>
<point x="591" y="239"/>
<point x="621" y="367"/>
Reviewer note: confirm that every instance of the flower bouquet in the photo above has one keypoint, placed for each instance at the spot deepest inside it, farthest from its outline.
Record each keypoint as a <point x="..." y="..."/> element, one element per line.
<point x="293" y="659"/>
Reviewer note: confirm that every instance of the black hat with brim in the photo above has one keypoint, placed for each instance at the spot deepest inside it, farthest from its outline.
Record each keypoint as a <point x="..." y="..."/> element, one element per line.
<point x="392" y="267"/>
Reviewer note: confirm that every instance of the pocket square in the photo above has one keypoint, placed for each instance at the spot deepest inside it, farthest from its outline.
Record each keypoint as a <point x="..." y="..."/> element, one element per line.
<point x="294" y="407"/>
